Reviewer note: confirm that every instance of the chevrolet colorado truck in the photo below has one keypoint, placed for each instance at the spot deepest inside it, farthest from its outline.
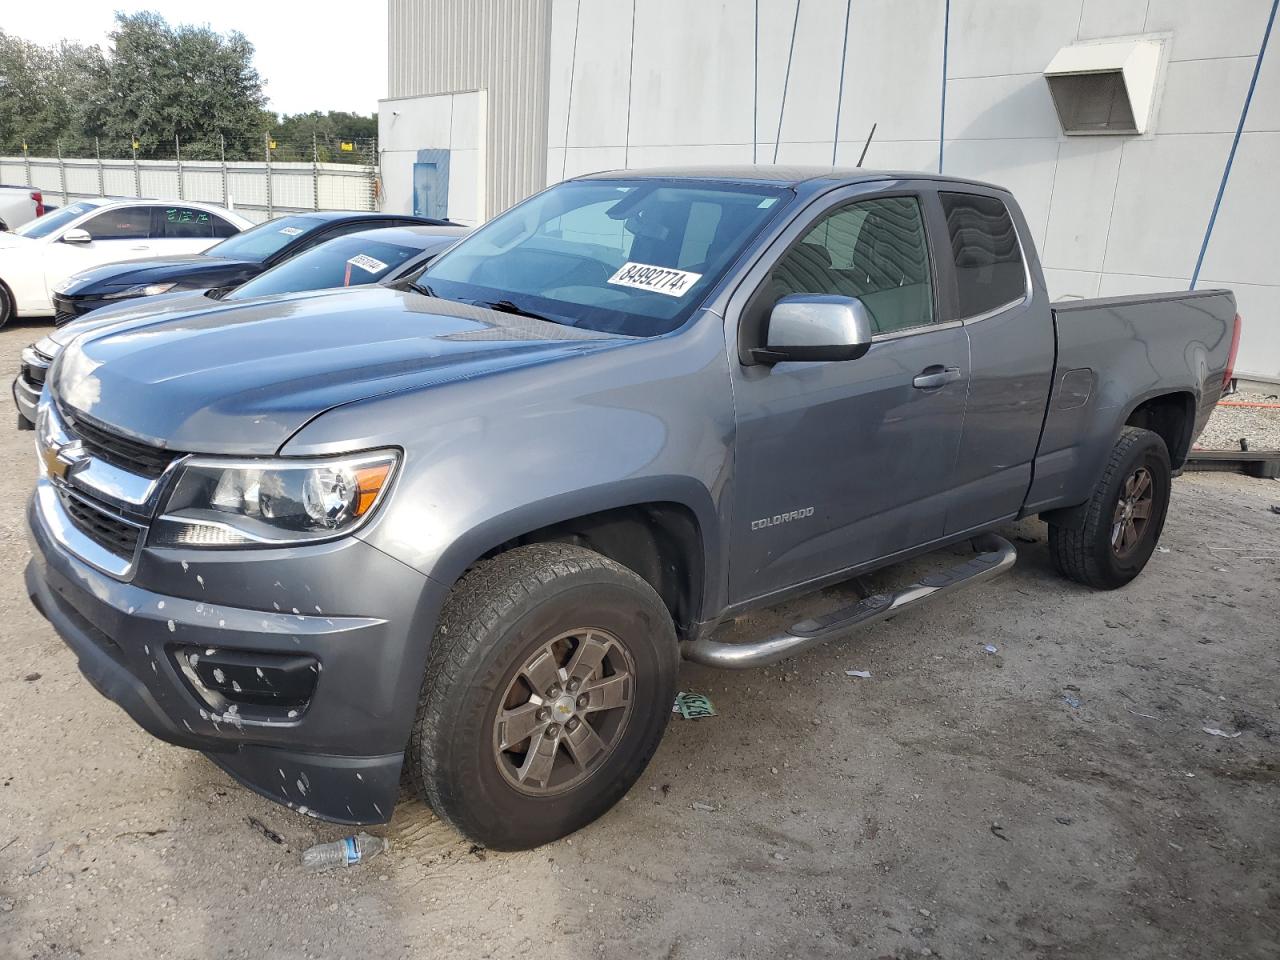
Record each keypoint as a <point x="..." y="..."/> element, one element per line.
<point x="469" y="526"/>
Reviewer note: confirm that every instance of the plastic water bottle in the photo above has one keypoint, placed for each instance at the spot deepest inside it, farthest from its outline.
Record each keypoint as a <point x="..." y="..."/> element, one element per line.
<point x="345" y="852"/>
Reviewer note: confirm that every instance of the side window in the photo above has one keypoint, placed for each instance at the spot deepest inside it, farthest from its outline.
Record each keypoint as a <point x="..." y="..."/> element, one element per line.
<point x="183" y="223"/>
<point x="122" y="223"/>
<point x="984" y="243"/>
<point x="224" y="228"/>
<point x="874" y="250"/>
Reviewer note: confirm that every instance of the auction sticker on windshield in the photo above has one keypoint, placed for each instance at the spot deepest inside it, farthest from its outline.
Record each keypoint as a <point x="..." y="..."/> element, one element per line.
<point x="366" y="262"/>
<point x="665" y="280"/>
<point x="291" y="231"/>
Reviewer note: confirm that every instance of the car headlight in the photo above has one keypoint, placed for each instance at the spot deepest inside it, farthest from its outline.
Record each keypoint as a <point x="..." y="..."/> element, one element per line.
<point x="141" y="290"/>
<point x="47" y="346"/>
<point x="219" y="503"/>
<point x="66" y="283"/>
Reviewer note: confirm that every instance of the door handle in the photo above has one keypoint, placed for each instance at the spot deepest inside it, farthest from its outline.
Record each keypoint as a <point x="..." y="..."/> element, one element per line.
<point x="141" y="246"/>
<point x="931" y="378"/>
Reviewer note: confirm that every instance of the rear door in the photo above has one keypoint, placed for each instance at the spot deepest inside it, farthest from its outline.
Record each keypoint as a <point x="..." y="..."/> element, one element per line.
<point x="1006" y="315"/>
<point x="177" y="230"/>
<point x="840" y="463"/>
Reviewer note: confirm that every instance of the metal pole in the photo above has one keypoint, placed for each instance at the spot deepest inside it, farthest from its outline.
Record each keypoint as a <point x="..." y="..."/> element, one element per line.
<point x="97" y="152"/>
<point x="222" y="154"/>
<point x="315" y="172"/>
<point x="26" y="162"/>
<point x="62" y="175"/>
<point x="177" y="152"/>
<point x="137" y="172"/>
<point x="266" y="146"/>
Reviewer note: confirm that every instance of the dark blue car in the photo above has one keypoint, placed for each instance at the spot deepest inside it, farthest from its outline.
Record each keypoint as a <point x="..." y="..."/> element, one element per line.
<point x="226" y="264"/>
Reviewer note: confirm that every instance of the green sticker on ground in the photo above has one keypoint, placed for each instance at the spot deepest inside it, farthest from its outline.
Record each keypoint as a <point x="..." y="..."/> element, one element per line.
<point x="693" y="706"/>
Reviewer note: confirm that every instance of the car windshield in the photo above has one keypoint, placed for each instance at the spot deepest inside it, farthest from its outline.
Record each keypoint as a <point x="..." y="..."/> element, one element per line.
<point x="260" y="242"/>
<point x="43" y="226"/>
<point x="621" y="256"/>
<point x="348" y="261"/>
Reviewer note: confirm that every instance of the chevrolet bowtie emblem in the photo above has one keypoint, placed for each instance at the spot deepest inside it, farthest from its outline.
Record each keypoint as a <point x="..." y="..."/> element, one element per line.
<point x="58" y="460"/>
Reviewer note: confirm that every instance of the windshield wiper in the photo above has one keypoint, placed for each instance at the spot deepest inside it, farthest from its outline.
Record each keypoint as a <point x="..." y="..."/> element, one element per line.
<point x="421" y="288"/>
<point x="507" y="306"/>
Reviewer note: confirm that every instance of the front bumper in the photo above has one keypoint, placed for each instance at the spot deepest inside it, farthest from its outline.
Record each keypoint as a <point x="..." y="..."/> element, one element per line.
<point x="66" y="309"/>
<point x="26" y="397"/>
<point x="340" y="757"/>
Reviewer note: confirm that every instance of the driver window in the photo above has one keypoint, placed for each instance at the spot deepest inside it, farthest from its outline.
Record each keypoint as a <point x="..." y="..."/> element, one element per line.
<point x="122" y="223"/>
<point x="874" y="250"/>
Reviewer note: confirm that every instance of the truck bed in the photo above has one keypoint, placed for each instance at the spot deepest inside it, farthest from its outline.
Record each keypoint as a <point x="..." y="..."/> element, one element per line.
<point x="1113" y="355"/>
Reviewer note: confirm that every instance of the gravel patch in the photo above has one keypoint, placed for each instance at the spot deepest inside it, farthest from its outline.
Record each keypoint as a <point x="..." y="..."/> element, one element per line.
<point x="1259" y="426"/>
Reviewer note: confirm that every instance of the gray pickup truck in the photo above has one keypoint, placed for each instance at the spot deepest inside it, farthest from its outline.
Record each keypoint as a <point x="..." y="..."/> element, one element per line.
<point x="469" y="526"/>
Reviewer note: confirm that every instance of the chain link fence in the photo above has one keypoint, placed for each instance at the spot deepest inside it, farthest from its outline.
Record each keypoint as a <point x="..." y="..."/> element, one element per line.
<point x="258" y="177"/>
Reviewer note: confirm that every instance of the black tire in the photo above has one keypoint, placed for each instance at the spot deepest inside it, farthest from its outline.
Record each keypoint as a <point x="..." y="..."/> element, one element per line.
<point x="1087" y="554"/>
<point x="6" y="305"/>
<point x="499" y="615"/>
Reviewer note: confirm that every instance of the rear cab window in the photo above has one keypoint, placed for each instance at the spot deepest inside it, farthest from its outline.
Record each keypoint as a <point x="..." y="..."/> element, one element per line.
<point x="989" y="269"/>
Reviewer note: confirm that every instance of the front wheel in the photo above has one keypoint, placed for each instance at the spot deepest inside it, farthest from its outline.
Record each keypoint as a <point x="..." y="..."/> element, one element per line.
<point x="1123" y="518"/>
<point x="548" y="687"/>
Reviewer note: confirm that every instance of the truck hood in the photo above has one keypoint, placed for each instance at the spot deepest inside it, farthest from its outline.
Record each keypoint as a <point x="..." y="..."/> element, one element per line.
<point x="151" y="309"/>
<point x="194" y="270"/>
<point x="241" y="378"/>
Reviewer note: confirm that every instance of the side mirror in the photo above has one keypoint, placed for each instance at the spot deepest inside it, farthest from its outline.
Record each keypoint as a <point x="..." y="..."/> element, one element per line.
<point x="813" y="327"/>
<point x="77" y="236"/>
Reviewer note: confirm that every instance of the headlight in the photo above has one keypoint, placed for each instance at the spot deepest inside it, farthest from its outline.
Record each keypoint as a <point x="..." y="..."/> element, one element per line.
<point x="272" y="502"/>
<point x="141" y="290"/>
<point x="67" y="283"/>
<point x="47" y="347"/>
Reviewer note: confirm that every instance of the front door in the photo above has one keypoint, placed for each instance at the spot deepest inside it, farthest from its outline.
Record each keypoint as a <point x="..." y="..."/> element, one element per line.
<point x="839" y="463"/>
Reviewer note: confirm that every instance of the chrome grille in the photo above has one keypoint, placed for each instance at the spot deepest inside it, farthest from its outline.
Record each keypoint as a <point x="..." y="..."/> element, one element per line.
<point x="131" y="455"/>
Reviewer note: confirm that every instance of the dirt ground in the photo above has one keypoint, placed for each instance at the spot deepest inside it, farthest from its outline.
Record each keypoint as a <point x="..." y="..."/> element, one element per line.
<point x="1058" y="798"/>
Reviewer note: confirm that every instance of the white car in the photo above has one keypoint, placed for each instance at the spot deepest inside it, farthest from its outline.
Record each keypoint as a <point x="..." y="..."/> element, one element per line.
<point x="19" y="205"/>
<point x="40" y="255"/>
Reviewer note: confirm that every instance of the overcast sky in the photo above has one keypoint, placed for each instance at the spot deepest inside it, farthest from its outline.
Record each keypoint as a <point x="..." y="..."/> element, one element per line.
<point x="311" y="54"/>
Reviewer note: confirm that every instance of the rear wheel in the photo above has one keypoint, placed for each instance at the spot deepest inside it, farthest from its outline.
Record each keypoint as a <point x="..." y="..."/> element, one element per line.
<point x="548" y="687"/>
<point x="1123" y="518"/>
<point x="6" y="305"/>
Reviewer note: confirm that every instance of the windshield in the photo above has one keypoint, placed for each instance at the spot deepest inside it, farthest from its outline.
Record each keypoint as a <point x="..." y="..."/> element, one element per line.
<point x="43" y="226"/>
<point x="260" y="242"/>
<point x="621" y="256"/>
<point x="345" y="262"/>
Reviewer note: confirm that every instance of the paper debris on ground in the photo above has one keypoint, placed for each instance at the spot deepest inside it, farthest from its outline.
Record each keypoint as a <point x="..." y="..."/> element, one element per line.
<point x="991" y="648"/>
<point x="864" y="674"/>
<point x="693" y="706"/>
<point x="1218" y="732"/>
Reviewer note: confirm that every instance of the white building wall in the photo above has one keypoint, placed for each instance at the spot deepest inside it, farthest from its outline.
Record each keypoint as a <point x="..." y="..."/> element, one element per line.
<point x="648" y="82"/>
<point x="449" y="121"/>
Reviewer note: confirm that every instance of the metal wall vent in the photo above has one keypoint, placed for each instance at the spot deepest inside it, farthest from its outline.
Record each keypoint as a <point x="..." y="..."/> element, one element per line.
<point x="1107" y="87"/>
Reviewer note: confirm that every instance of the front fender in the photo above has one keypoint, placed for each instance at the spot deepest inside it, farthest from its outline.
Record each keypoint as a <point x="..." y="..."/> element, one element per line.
<point x="489" y="459"/>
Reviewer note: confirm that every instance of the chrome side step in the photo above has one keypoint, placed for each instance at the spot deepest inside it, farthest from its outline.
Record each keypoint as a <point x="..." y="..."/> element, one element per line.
<point x="996" y="556"/>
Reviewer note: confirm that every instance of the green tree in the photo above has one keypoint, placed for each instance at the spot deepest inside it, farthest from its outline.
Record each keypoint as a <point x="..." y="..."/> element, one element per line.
<point x="190" y="82"/>
<point x="294" y="135"/>
<point x="47" y="93"/>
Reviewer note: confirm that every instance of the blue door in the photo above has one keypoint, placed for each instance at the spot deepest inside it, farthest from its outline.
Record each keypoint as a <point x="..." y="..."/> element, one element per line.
<point x="431" y="184"/>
